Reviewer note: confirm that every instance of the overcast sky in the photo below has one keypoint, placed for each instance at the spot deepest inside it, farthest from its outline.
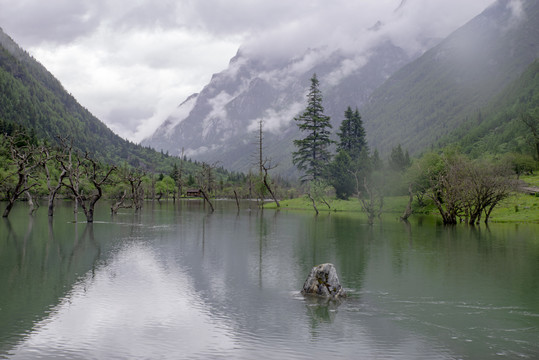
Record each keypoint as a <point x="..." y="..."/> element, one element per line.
<point x="131" y="62"/>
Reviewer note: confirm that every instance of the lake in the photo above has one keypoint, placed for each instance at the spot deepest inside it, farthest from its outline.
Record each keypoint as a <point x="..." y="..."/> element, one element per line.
<point x="176" y="282"/>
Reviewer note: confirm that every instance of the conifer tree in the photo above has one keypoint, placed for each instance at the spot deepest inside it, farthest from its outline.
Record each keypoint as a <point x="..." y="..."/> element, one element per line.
<point x="312" y="153"/>
<point x="352" y="134"/>
<point x="399" y="160"/>
<point x="352" y="155"/>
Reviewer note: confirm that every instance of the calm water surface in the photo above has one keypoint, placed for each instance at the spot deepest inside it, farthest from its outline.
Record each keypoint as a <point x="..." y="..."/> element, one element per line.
<point x="175" y="282"/>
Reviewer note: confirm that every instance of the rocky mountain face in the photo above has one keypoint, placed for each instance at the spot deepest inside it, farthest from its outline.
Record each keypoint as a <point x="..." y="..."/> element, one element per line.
<point x="221" y="123"/>
<point x="405" y="97"/>
<point x="450" y="84"/>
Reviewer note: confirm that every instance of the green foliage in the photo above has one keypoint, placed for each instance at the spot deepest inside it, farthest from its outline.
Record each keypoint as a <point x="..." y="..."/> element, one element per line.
<point x="320" y="190"/>
<point x="499" y="128"/>
<point x="33" y="101"/>
<point x="399" y="160"/>
<point x="352" y="161"/>
<point x="520" y="163"/>
<point x="313" y="155"/>
<point x="340" y="175"/>
<point x="352" y="134"/>
<point x="165" y="186"/>
<point x="447" y="87"/>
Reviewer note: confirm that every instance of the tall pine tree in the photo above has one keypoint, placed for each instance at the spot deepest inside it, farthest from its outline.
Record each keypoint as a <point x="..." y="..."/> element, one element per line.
<point x="313" y="155"/>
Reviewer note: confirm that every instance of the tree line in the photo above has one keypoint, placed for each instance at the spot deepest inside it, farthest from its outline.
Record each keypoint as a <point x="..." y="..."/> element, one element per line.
<point x="461" y="189"/>
<point x="32" y="169"/>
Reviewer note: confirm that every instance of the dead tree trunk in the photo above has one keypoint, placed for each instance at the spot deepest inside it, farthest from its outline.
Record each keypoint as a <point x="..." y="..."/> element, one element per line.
<point x="119" y="204"/>
<point x="25" y="159"/>
<point x="370" y="205"/>
<point x="266" y="184"/>
<point x="96" y="176"/>
<point x="33" y="205"/>
<point x="408" y="210"/>
<point x="53" y="189"/>
<point x="207" y="199"/>
<point x="237" y="201"/>
<point x="314" y="203"/>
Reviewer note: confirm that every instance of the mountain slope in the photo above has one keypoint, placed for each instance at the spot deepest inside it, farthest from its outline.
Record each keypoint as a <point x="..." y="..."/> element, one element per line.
<point x="498" y="128"/>
<point x="221" y="122"/>
<point x="435" y="94"/>
<point x="31" y="97"/>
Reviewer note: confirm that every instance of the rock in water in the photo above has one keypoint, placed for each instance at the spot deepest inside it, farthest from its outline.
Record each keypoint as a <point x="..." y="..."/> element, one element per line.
<point x="323" y="281"/>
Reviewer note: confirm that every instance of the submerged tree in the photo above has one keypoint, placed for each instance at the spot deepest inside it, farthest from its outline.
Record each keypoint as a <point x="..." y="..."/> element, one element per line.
<point x="312" y="153"/>
<point x="370" y="196"/>
<point x="20" y="178"/>
<point x="464" y="189"/>
<point x="54" y="184"/>
<point x="85" y="169"/>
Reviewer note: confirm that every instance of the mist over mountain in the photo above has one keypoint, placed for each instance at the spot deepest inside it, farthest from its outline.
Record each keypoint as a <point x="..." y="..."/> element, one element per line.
<point x="451" y="83"/>
<point x="406" y="95"/>
<point x="267" y="84"/>
<point x="221" y="122"/>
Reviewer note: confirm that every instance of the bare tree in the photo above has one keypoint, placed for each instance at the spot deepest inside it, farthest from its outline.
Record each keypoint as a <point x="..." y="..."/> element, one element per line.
<point x="466" y="189"/>
<point x="266" y="167"/>
<point x="314" y="202"/>
<point x="179" y="178"/>
<point x="93" y="172"/>
<point x="25" y="159"/>
<point x="408" y="210"/>
<point x="53" y="188"/>
<point x="134" y="177"/>
<point x="373" y="203"/>
<point x="317" y="191"/>
<point x="120" y="204"/>
<point x="206" y="180"/>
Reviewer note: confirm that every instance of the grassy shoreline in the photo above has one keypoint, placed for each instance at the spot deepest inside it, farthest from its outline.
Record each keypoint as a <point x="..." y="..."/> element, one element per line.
<point x="518" y="208"/>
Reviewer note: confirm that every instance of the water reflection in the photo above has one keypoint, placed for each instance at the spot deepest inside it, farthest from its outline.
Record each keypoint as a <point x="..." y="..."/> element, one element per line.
<point x="123" y="308"/>
<point x="175" y="281"/>
<point x="38" y="265"/>
<point x="321" y="310"/>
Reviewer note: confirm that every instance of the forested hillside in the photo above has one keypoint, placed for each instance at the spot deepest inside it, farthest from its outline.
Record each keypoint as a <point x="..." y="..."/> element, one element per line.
<point x="443" y="89"/>
<point x="30" y="97"/>
<point x="500" y="126"/>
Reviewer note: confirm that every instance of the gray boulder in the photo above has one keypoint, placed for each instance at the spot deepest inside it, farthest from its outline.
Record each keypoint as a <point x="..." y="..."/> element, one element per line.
<point x="323" y="281"/>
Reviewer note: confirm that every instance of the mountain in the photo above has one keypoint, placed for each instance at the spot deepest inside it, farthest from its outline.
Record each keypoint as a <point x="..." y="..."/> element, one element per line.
<point x="447" y="86"/>
<point x="32" y="98"/>
<point x="411" y="98"/>
<point x="498" y="127"/>
<point x="221" y="122"/>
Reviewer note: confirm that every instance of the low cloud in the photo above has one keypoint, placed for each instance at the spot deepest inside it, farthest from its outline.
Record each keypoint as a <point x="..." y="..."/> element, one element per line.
<point x="274" y="121"/>
<point x="347" y="67"/>
<point x="127" y="61"/>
